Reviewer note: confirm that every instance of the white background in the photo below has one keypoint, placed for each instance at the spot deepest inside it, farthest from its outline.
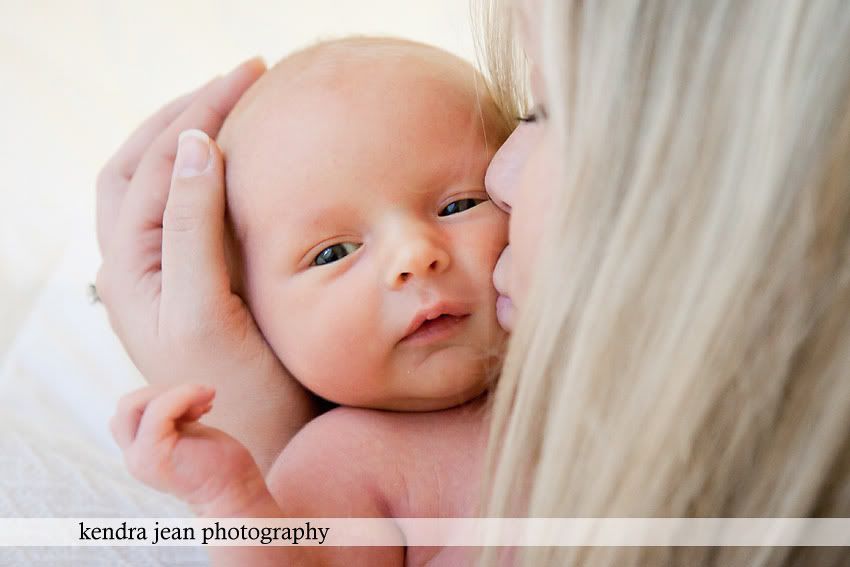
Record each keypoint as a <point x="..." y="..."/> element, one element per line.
<point x="77" y="76"/>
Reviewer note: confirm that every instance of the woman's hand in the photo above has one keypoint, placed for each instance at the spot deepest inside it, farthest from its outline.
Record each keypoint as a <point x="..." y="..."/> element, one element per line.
<point x="164" y="281"/>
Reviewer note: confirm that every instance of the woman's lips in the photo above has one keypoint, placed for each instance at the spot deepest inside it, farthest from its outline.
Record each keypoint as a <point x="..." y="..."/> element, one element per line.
<point x="433" y="330"/>
<point x="505" y="312"/>
<point x="501" y="271"/>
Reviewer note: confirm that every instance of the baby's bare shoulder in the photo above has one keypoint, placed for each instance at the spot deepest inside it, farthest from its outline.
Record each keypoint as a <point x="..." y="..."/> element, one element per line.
<point x="327" y="469"/>
<point x="392" y="463"/>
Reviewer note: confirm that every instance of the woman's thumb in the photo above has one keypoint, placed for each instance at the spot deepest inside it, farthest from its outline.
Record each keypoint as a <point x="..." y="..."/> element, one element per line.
<point x="193" y="266"/>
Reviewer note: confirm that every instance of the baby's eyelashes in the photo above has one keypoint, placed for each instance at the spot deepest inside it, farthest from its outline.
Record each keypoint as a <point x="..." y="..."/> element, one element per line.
<point x="335" y="252"/>
<point x="340" y="250"/>
<point x="459" y="206"/>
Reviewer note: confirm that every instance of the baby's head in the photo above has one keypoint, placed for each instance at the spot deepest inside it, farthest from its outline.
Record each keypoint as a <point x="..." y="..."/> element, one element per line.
<point x="364" y="238"/>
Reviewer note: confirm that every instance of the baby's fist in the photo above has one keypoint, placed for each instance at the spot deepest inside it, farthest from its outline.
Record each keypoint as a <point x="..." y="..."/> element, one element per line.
<point x="166" y="448"/>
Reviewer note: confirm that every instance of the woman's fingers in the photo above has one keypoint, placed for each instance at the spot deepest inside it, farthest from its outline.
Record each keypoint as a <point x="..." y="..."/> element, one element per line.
<point x="193" y="265"/>
<point x="116" y="174"/>
<point x="127" y="159"/>
<point x="147" y="194"/>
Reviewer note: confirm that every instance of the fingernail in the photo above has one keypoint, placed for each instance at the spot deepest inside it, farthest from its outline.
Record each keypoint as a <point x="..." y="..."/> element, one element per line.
<point x="256" y="62"/>
<point x="207" y="390"/>
<point x="193" y="153"/>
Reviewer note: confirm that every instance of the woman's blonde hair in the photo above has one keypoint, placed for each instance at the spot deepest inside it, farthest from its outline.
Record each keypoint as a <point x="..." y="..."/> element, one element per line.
<point x="500" y="57"/>
<point x="685" y="348"/>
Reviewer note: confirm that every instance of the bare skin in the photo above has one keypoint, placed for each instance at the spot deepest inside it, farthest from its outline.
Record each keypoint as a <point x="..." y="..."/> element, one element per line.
<point x="406" y="465"/>
<point x="410" y="185"/>
<point x="158" y="230"/>
<point x="369" y="155"/>
<point x="346" y="463"/>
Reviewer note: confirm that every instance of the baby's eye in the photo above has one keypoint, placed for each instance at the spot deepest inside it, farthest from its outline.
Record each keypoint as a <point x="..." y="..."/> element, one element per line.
<point x="334" y="253"/>
<point x="459" y="206"/>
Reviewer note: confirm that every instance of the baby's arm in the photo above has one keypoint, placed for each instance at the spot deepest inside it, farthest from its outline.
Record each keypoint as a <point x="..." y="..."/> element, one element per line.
<point x="165" y="447"/>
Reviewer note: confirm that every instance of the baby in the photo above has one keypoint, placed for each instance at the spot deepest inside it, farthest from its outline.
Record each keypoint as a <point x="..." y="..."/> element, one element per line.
<point x="364" y="243"/>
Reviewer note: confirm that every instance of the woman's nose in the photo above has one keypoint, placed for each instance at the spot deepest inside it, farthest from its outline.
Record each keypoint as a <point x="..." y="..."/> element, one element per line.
<point x="504" y="170"/>
<point x="414" y="259"/>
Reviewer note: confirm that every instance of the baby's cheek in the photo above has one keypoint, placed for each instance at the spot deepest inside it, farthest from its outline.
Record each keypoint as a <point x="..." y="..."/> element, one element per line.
<point x="333" y="348"/>
<point x="493" y="237"/>
<point x="479" y="250"/>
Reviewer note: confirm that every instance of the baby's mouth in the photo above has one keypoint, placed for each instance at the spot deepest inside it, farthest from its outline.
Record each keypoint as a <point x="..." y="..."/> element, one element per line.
<point x="435" y="329"/>
<point x="434" y="323"/>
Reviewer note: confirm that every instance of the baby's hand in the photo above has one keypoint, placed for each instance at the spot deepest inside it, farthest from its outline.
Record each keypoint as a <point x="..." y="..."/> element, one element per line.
<point x="166" y="448"/>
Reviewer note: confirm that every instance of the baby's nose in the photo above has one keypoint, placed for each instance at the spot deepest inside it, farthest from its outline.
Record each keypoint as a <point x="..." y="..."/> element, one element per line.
<point x="417" y="259"/>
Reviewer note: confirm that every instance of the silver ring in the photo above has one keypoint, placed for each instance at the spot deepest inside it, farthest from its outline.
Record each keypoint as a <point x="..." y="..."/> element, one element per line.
<point x="92" y="293"/>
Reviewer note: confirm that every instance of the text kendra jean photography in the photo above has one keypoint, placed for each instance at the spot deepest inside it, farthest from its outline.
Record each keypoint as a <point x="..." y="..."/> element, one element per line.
<point x="425" y="283"/>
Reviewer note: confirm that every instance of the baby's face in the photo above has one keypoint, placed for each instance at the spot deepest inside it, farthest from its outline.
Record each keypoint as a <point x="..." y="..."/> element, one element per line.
<point x="367" y="238"/>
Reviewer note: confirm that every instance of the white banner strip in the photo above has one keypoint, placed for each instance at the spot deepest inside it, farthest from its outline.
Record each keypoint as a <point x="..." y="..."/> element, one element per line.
<point x="605" y="532"/>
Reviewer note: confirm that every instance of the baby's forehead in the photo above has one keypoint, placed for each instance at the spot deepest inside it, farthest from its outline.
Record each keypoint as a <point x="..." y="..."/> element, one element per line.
<point x="334" y="56"/>
<point x="363" y="65"/>
<point x="341" y="67"/>
<point x="345" y="73"/>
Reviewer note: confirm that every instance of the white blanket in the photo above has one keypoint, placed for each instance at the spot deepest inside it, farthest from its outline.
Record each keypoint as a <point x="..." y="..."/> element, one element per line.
<point x="58" y="388"/>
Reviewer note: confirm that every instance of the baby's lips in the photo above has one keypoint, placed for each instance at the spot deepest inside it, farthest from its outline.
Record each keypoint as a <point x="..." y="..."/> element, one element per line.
<point x="453" y="308"/>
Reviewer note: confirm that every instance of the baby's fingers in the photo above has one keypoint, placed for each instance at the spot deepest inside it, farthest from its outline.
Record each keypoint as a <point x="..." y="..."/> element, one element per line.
<point x="177" y="405"/>
<point x="195" y="413"/>
<point x="125" y="423"/>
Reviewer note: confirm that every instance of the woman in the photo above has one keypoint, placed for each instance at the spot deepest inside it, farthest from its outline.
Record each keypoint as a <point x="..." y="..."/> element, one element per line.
<point x="684" y="345"/>
<point x="682" y="325"/>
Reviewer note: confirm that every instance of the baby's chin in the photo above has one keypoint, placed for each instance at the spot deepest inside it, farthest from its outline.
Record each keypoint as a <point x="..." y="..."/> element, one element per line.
<point x="420" y="403"/>
<point x="445" y="379"/>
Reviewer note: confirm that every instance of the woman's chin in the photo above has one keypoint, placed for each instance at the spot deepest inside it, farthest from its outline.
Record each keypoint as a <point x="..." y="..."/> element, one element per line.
<point x="505" y="312"/>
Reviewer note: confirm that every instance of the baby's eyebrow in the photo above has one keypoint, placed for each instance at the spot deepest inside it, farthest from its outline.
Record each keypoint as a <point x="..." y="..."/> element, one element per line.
<point x="315" y="220"/>
<point x="321" y="216"/>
